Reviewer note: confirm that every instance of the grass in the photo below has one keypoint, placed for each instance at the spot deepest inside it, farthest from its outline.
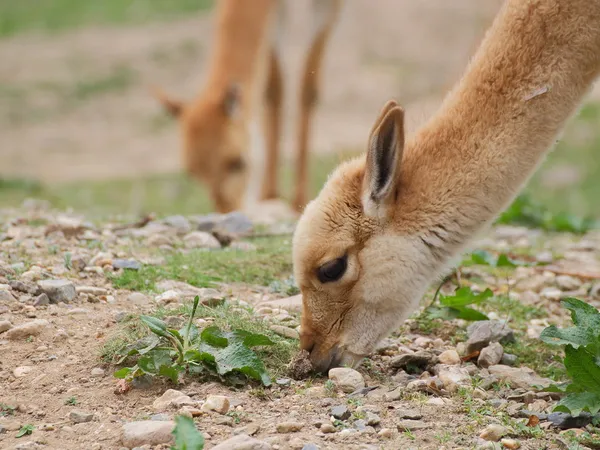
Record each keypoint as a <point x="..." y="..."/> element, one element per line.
<point x="61" y="15"/>
<point x="270" y="262"/>
<point x="226" y="316"/>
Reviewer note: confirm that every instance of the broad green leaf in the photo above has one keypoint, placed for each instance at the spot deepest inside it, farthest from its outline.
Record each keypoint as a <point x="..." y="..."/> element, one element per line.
<point x="582" y="314"/>
<point x="147" y="365"/>
<point x="483" y="258"/>
<point x="574" y="336"/>
<point x="559" y="388"/>
<point x="171" y="372"/>
<point x="465" y="296"/>
<point x="575" y="403"/>
<point x="194" y="333"/>
<point x="25" y="430"/>
<point x="471" y="314"/>
<point x="238" y="357"/>
<point x="123" y="373"/>
<point x="175" y="333"/>
<point x="582" y="368"/>
<point x="139" y="347"/>
<point x="214" y="337"/>
<point x="249" y="339"/>
<point x="187" y="437"/>
<point x="157" y="326"/>
<point x="505" y="261"/>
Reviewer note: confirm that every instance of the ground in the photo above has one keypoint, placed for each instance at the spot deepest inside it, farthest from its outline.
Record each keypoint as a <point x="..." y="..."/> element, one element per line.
<point x="81" y="135"/>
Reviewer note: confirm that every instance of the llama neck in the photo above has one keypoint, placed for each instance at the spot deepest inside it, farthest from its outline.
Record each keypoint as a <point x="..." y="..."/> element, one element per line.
<point x="529" y="75"/>
<point x="240" y="37"/>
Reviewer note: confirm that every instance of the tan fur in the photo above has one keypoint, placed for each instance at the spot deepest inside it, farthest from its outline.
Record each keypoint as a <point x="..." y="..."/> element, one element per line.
<point x="239" y="110"/>
<point x="449" y="180"/>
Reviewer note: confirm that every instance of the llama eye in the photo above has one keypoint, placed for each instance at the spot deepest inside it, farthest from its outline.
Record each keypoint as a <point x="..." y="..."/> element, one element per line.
<point x="332" y="270"/>
<point x="236" y="165"/>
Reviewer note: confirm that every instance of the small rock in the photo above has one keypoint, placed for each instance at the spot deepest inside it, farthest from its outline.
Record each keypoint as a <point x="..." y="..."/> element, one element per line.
<point x="483" y="332"/>
<point x="58" y="291"/>
<point x="217" y="403"/>
<point x="327" y="428"/>
<point x="412" y="425"/>
<point x="490" y="355"/>
<point x="22" y="371"/>
<point x="519" y="377"/>
<point x="26" y="288"/>
<point x="291" y="304"/>
<point x="41" y="300"/>
<point x="137" y="297"/>
<point x="283" y="381"/>
<point x="130" y="264"/>
<point x="180" y="223"/>
<point x="346" y="379"/>
<point x="285" y="331"/>
<point x="97" y="372"/>
<point x="148" y="432"/>
<point x="373" y="419"/>
<point x="566" y="421"/>
<point x="289" y="427"/>
<point x="386" y="433"/>
<point x="411" y="414"/>
<point x="419" y="359"/>
<point x="551" y="293"/>
<point x="27" y="329"/>
<point x="172" y="399"/>
<point x="493" y="432"/>
<point x="360" y="425"/>
<point x="453" y="377"/>
<point x="78" y="262"/>
<point x="568" y="283"/>
<point x="310" y="446"/>
<point x="78" y="416"/>
<point x="91" y="290"/>
<point x="340" y="412"/>
<point x="242" y="442"/>
<point x="5" y="325"/>
<point x="201" y="239"/>
<point x="510" y="444"/>
<point x="508" y="359"/>
<point x="449" y="357"/>
<point x="168" y="297"/>
<point x="6" y="296"/>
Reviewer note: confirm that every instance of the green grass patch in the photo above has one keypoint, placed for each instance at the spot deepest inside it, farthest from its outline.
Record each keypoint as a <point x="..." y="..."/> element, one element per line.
<point x="61" y="15"/>
<point x="270" y="262"/>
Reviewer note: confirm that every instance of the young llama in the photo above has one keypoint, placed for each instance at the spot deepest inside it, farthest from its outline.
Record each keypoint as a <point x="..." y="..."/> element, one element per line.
<point x="386" y="225"/>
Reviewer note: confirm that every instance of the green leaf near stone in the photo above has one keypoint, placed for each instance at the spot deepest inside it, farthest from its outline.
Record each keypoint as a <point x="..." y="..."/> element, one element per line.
<point x="187" y="437"/>
<point x="465" y="296"/>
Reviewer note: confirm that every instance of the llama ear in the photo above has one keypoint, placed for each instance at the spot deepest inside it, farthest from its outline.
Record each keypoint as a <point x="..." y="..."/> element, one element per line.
<point x="232" y="100"/>
<point x="173" y="107"/>
<point x="384" y="156"/>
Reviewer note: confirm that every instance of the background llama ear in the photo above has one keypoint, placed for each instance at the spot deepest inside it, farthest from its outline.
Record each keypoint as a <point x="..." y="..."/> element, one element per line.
<point x="173" y="107"/>
<point x="232" y="101"/>
<point x="384" y="156"/>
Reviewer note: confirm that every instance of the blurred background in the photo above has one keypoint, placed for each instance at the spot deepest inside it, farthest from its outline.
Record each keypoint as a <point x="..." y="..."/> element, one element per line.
<point x="78" y="127"/>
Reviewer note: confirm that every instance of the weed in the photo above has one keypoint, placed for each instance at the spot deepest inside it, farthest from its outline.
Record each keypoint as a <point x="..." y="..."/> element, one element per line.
<point x="457" y="306"/>
<point x="25" y="430"/>
<point x="443" y="437"/>
<point x="187" y="437"/>
<point x="72" y="401"/>
<point x="6" y="410"/>
<point x="409" y="434"/>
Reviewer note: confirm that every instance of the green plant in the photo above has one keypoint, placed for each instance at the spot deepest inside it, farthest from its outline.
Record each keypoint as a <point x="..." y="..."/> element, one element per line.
<point x="169" y="352"/>
<point x="187" y="437"/>
<point x="25" y="430"/>
<point x="457" y="306"/>
<point x="72" y="401"/>
<point x="485" y="258"/>
<point x="6" y="410"/>
<point x="68" y="260"/>
<point x="582" y="358"/>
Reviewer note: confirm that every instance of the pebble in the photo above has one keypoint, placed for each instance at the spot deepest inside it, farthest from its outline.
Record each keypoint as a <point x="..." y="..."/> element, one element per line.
<point x="41" y="300"/>
<point x="567" y="282"/>
<point x="490" y="355"/>
<point x="79" y="416"/>
<point x="373" y="419"/>
<point x="242" y="442"/>
<point x="27" y="329"/>
<point x="91" y="290"/>
<point x="58" y="291"/>
<point x="289" y="427"/>
<point x="285" y="331"/>
<point x="97" y="372"/>
<point x="493" y="432"/>
<point x="167" y="297"/>
<point x="453" y="377"/>
<point x="419" y="359"/>
<point x="551" y="293"/>
<point x="137" y="297"/>
<point x="508" y="359"/>
<point x="6" y="296"/>
<point x="449" y="357"/>
<point x="510" y="444"/>
<point x="340" y="412"/>
<point x="386" y="433"/>
<point x="483" y="332"/>
<point x="310" y="446"/>
<point x="130" y="264"/>
<point x="201" y="239"/>
<point x="519" y="377"/>
<point x="5" y="325"/>
<point x="327" y="428"/>
<point x="172" y="399"/>
<point x="412" y="414"/>
<point x="565" y="421"/>
<point x="346" y="379"/>
<point x="22" y="371"/>
<point x="412" y="425"/>
<point x="217" y="403"/>
<point x="147" y="432"/>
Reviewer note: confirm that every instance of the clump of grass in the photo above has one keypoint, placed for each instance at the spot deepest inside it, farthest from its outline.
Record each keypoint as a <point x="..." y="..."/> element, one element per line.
<point x="268" y="263"/>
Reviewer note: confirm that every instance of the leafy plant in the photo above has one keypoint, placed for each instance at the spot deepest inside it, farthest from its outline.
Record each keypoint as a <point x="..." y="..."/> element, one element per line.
<point x="170" y="353"/>
<point x="485" y="258"/>
<point x="25" y="430"/>
<point x="582" y="358"/>
<point x="71" y="401"/>
<point x="524" y="211"/>
<point x="457" y="306"/>
<point x="287" y="286"/>
<point x="6" y="410"/>
<point x="187" y="437"/>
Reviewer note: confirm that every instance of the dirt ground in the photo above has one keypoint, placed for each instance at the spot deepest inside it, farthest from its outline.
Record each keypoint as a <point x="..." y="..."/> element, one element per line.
<point x="75" y="105"/>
